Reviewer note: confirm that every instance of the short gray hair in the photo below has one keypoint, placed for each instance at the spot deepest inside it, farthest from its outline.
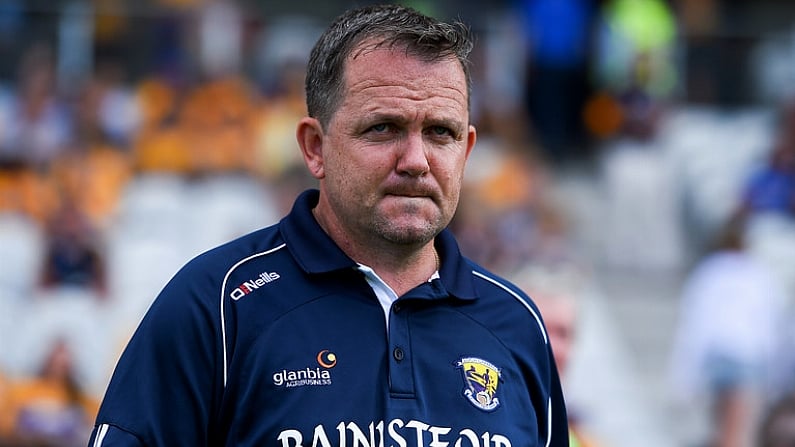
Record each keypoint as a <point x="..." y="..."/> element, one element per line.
<point x="387" y="25"/>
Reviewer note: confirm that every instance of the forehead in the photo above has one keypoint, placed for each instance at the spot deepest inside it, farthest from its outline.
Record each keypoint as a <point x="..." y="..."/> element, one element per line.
<point x="393" y="71"/>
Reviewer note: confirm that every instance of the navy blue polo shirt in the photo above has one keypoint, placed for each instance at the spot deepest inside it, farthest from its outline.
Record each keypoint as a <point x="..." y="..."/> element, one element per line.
<point x="277" y="339"/>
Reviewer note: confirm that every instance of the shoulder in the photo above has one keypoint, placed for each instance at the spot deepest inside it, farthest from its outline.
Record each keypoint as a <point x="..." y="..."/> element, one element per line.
<point x="506" y="303"/>
<point x="494" y="285"/>
<point x="219" y="260"/>
<point x="204" y="276"/>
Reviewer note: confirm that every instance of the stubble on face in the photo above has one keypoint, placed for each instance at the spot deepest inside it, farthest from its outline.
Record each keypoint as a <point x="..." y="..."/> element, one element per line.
<point x="397" y="147"/>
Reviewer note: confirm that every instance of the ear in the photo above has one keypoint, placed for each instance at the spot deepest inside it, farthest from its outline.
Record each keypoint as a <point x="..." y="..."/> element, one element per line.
<point x="472" y="136"/>
<point x="309" y="134"/>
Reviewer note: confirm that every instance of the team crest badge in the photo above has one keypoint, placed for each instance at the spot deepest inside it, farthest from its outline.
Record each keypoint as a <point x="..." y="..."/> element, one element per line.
<point x="481" y="379"/>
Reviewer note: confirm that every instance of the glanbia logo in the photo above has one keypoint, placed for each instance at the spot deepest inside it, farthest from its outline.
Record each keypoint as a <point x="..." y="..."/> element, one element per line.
<point x="309" y="376"/>
<point x="253" y="284"/>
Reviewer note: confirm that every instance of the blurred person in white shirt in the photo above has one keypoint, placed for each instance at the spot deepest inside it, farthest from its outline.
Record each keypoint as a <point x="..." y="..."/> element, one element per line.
<point x="725" y="345"/>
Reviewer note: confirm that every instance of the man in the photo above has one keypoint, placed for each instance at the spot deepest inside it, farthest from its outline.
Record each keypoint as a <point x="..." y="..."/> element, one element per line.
<point x="354" y="321"/>
<point x="557" y="289"/>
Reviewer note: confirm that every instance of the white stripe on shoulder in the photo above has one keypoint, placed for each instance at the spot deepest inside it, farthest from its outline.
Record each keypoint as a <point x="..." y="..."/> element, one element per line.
<point x="223" y="291"/>
<point x="518" y="298"/>
<point x="102" y="430"/>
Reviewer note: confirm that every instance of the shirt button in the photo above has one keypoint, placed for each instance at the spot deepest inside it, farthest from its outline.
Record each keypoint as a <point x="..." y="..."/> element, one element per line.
<point x="397" y="307"/>
<point x="398" y="354"/>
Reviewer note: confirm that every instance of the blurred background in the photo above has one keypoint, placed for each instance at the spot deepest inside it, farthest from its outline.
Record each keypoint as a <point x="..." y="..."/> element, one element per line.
<point x="634" y="172"/>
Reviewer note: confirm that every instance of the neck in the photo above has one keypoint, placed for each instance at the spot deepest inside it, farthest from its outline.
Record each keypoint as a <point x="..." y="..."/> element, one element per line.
<point x="404" y="273"/>
<point x="400" y="266"/>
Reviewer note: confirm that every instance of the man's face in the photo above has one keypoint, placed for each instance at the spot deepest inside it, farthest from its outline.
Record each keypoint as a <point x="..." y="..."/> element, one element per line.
<point x="560" y="320"/>
<point x="393" y="154"/>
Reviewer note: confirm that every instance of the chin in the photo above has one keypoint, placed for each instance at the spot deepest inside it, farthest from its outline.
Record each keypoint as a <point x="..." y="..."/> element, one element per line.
<point x="419" y="233"/>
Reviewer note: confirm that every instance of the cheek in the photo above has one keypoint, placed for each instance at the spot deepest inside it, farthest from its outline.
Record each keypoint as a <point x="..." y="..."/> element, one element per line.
<point x="450" y="177"/>
<point x="356" y="170"/>
<point x="452" y="163"/>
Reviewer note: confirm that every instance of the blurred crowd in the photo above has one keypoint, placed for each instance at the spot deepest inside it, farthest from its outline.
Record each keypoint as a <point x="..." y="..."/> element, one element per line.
<point x="116" y="171"/>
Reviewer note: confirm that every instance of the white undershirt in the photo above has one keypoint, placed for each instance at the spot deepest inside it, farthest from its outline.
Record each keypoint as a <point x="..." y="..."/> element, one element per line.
<point x="386" y="296"/>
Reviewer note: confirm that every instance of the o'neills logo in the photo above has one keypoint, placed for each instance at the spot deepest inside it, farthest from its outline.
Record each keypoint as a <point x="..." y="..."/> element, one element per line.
<point x="309" y="376"/>
<point x="253" y="284"/>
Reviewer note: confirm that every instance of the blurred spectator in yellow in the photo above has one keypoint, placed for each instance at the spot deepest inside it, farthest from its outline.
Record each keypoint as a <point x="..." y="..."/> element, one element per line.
<point x="158" y="101"/>
<point x="215" y="121"/>
<point x="25" y="191"/>
<point x="95" y="166"/>
<point x="725" y="346"/>
<point x="5" y="385"/>
<point x="207" y="129"/>
<point x="159" y="146"/>
<point x="94" y="177"/>
<point x="276" y="150"/>
<point x="49" y="409"/>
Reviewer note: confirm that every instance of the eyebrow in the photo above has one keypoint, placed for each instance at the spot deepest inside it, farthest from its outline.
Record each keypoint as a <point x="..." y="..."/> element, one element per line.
<point x="386" y="116"/>
<point x="399" y="119"/>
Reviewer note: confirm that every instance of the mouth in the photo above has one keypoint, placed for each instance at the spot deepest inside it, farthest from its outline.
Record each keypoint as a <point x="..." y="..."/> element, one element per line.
<point x="417" y="192"/>
<point x="409" y="197"/>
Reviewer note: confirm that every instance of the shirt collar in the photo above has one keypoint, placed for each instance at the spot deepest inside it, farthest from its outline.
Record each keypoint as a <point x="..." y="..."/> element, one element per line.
<point x="316" y="252"/>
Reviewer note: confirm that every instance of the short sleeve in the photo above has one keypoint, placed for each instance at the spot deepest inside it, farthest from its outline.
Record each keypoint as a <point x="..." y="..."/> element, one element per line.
<point x="105" y="435"/>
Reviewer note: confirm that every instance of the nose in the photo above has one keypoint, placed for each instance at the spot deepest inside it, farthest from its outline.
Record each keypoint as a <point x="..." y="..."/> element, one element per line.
<point x="412" y="157"/>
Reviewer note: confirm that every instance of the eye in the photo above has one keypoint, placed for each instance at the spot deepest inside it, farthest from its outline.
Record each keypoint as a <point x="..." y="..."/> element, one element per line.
<point x="440" y="131"/>
<point x="379" y="128"/>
